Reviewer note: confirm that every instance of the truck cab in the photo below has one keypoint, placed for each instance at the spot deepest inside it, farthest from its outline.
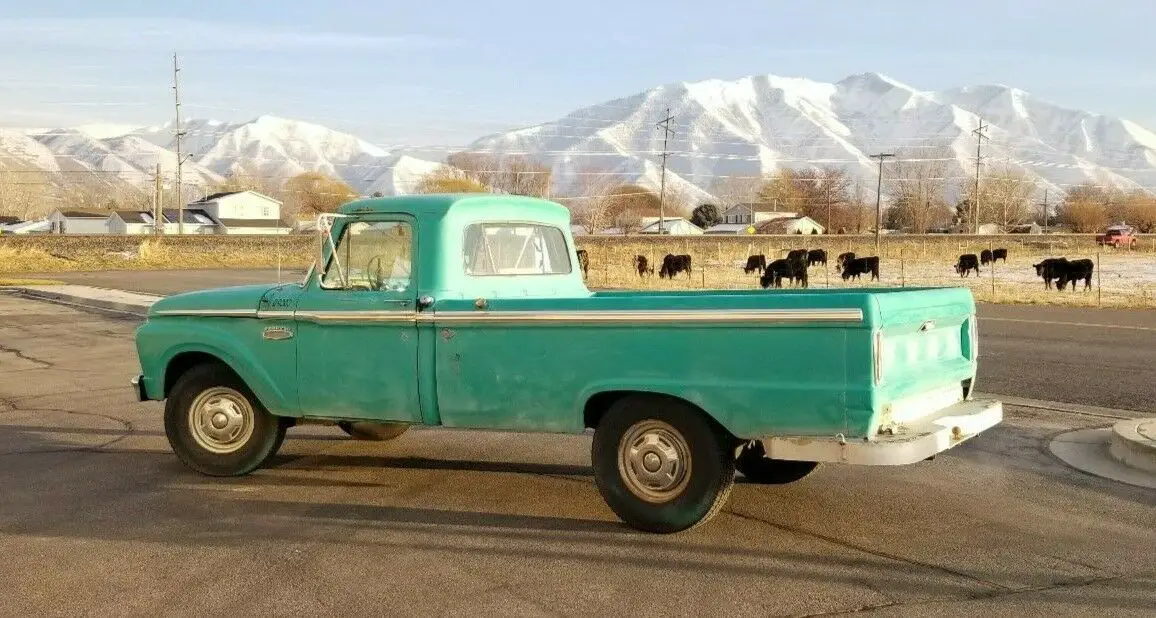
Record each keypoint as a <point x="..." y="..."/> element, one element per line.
<point x="471" y="311"/>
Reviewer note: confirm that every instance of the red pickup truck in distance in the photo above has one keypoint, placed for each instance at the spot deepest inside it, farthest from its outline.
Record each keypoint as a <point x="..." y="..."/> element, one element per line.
<point x="1117" y="236"/>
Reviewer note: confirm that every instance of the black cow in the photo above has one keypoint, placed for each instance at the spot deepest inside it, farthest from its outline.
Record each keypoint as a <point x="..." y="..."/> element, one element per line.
<point x="674" y="264"/>
<point x="985" y="257"/>
<point x="776" y="271"/>
<point x="1075" y="270"/>
<point x="967" y="263"/>
<point x="797" y="254"/>
<point x="861" y="266"/>
<point x="843" y="259"/>
<point x="583" y="261"/>
<point x="755" y="262"/>
<point x="816" y="256"/>
<point x="999" y="254"/>
<point x="642" y="265"/>
<point x="1051" y="268"/>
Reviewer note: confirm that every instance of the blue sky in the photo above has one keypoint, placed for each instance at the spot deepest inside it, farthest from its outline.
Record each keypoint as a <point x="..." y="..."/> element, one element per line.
<point x="443" y="72"/>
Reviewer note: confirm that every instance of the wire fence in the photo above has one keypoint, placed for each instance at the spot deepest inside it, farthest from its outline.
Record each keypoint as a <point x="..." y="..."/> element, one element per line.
<point x="1123" y="277"/>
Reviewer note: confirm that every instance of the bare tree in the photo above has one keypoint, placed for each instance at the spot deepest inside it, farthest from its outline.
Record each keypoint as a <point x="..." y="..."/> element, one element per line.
<point x="593" y="206"/>
<point x="314" y="192"/>
<point x="917" y="182"/>
<point x="24" y="194"/>
<point x="1006" y="198"/>
<point x="449" y="180"/>
<point x="732" y="190"/>
<point x="515" y="175"/>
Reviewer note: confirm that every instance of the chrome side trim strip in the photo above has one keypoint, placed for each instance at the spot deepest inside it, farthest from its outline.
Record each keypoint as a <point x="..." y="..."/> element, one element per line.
<point x="210" y="313"/>
<point x="712" y="316"/>
<point x="357" y="316"/>
<point x="708" y="316"/>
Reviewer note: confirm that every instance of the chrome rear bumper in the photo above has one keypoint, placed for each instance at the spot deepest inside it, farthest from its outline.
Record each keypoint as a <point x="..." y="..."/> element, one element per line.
<point x="923" y="438"/>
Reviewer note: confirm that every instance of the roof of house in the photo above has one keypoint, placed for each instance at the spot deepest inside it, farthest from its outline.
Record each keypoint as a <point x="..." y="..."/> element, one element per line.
<point x="747" y="207"/>
<point x="8" y="220"/>
<point x="727" y="228"/>
<point x="668" y="224"/>
<point x="192" y="215"/>
<point x="270" y="223"/>
<point x="83" y="214"/>
<point x="133" y="216"/>
<point x="779" y="225"/>
<point x="213" y="196"/>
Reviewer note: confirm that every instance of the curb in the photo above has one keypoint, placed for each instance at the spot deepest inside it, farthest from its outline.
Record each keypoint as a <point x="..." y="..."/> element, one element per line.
<point x="138" y="310"/>
<point x="1132" y="443"/>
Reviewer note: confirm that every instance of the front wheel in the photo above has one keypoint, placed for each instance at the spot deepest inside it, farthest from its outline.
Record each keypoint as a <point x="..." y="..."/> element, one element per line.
<point x="661" y="465"/>
<point x="758" y="468"/>
<point x="216" y="426"/>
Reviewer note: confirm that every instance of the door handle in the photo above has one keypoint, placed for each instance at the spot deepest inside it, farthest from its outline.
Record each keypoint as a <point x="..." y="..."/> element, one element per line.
<point x="425" y="301"/>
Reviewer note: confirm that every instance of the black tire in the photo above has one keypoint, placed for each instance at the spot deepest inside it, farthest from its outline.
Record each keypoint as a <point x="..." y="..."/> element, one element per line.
<point x="753" y="463"/>
<point x="259" y="435"/>
<point x="360" y="430"/>
<point x="703" y="482"/>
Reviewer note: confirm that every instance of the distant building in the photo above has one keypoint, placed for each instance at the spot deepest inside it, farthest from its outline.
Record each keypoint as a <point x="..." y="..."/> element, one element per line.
<point x="78" y="222"/>
<point x="797" y="224"/>
<point x="757" y="212"/>
<point x="9" y="220"/>
<point x="988" y="229"/>
<point x="730" y="228"/>
<point x="197" y="221"/>
<point x="132" y="222"/>
<point x="242" y="212"/>
<point x="674" y="226"/>
<point x="1027" y="228"/>
<point x="27" y="227"/>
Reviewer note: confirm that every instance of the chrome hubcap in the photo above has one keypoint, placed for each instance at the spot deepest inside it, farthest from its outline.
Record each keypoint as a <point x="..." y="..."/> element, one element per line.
<point x="221" y="420"/>
<point x="654" y="461"/>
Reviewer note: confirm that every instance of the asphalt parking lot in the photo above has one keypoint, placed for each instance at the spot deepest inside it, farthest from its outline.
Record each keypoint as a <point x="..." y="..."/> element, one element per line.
<point x="98" y="518"/>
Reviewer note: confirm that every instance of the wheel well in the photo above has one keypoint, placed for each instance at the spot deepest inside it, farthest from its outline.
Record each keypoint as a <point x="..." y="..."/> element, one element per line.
<point x="183" y="362"/>
<point x="598" y="405"/>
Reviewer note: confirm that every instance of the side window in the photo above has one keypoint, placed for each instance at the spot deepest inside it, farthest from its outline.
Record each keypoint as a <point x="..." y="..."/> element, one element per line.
<point x="371" y="256"/>
<point x="514" y="249"/>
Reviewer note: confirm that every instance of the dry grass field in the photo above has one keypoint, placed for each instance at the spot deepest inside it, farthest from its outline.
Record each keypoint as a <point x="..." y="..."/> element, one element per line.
<point x="1126" y="278"/>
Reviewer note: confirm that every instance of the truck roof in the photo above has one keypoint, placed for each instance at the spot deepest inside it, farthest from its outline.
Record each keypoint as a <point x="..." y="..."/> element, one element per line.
<point x="439" y="204"/>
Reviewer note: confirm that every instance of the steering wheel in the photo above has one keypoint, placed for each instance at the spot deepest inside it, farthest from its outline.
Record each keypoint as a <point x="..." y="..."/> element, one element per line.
<point x="375" y="275"/>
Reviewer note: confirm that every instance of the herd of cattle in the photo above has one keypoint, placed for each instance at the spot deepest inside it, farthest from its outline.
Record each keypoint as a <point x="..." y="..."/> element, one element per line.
<point x="795" y="266"/>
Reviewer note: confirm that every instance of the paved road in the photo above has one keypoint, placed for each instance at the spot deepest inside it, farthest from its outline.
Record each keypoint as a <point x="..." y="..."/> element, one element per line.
<point x="98" y="517"/>
<point x="1099" y="357"/>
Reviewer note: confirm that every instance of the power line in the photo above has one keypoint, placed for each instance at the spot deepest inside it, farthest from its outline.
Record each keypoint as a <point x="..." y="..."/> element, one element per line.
<point x="979" y="137"/>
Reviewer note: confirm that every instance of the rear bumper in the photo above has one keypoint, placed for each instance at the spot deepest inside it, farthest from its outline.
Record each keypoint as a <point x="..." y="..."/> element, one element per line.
<point x="915" y="442"/>
<point x="139" y="386"/>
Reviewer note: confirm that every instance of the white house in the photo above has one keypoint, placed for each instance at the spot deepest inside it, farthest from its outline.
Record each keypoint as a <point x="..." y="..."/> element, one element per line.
<point x="78" y="222"/>
<point x="42" y="226"/>
<point x="746" y="214"/>
<point x="674" y="226"/>
<point x="132" y="222"/>
<point x="197" y="221"/>
<point x="243" y="212"/>
<point x="798" y="224"/>
<point x="730" y="228"/>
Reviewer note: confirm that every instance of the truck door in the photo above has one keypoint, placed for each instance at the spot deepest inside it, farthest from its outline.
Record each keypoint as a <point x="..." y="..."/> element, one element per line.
<point x="356" y="328"/>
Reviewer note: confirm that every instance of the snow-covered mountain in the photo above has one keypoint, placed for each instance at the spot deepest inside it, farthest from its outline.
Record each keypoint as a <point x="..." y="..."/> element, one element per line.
<point x="722" y="129"/>
<point x="754" y="125"/>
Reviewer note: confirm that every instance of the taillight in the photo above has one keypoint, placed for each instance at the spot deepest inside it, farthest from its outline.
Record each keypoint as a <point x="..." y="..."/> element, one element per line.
<point x="878" y="356"/>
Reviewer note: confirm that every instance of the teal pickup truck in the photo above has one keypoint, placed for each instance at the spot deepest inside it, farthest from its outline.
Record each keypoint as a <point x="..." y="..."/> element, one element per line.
<point x="470" y="311"/>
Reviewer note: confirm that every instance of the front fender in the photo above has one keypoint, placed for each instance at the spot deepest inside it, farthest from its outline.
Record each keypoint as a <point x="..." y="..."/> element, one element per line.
<point x="160" y="341"/>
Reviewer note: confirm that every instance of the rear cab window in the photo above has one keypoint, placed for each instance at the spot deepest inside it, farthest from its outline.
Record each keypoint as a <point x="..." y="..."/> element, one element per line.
<point x="512" y="248"/>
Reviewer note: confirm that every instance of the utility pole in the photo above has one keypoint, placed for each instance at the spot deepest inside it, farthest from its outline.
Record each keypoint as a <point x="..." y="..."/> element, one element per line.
<point x="1045" y="206"/>
<point x="979" y="137"/>
<point x="179" y="134"/>
<point x="879" y="197"/>
<point x="663" y="124"/>
<point x="828" y="185"/>
<point x="158" y="220"/>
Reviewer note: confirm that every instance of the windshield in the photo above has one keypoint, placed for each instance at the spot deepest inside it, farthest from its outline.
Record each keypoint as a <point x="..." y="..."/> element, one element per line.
<point x="371" y="255"/>
<point x="515" y="249"/>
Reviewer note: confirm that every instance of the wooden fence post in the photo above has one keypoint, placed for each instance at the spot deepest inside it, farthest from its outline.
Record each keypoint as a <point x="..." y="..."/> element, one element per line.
<point x="991" y="250"/>
<point x="1099" y="288"/>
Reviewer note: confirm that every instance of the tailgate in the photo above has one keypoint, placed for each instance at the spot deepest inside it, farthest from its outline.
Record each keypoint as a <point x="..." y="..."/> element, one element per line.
<point x="925" y="351"/>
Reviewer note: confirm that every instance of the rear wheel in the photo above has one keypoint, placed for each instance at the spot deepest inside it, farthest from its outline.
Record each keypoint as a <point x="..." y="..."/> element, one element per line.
<point x="216" y="426"/>
<point x="361" y="430"/>
<point x="758" y="468"/>
<point x="661" y="465"/>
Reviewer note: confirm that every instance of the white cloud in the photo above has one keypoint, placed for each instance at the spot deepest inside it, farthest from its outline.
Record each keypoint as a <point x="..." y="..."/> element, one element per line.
<point x="188" y="35"/>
